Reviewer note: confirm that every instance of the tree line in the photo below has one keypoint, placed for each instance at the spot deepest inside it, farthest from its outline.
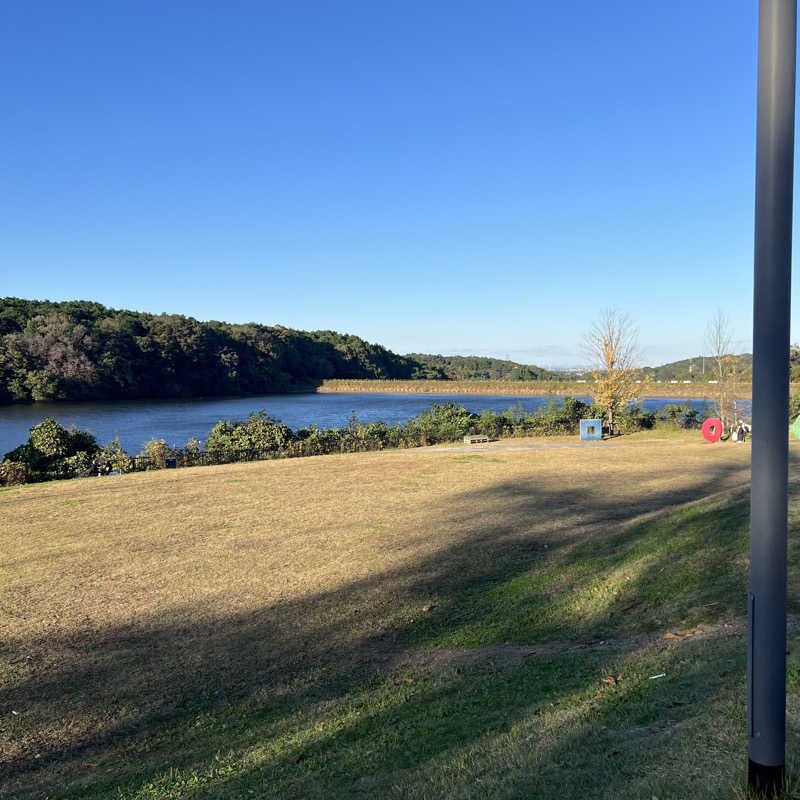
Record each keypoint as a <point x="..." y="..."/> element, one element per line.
<point x="471" y="368"/>
<point x="80" y="350"/>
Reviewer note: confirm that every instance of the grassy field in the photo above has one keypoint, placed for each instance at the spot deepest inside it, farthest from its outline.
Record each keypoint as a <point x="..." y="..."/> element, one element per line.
<point x="405" y="624"/>
<point x="521" y="388"/>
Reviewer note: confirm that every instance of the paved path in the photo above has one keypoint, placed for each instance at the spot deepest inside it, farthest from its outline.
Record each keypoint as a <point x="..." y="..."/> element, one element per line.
<point x="469" y="448"/>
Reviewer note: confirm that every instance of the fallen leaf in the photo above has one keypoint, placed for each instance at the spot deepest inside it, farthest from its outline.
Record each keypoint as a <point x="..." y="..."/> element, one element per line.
<point x="408" y="680"/>
<point x="682" y="635"/>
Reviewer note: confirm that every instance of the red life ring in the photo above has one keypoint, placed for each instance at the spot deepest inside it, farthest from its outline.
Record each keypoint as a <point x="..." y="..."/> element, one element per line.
<point x="712" y="429"/>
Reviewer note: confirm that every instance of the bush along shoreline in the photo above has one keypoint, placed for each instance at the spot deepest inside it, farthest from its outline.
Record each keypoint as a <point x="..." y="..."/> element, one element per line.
<point x="53" y="452"/>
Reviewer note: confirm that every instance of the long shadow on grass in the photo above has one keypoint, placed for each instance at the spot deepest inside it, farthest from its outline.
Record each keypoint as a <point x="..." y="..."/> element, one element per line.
<point x="157" y="693"/>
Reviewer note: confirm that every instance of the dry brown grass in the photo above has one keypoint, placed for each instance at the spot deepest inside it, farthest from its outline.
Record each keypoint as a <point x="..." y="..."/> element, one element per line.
<point x="522" y="388"/>
<point x="284" y="529"/>
<point x="125" y="599"/>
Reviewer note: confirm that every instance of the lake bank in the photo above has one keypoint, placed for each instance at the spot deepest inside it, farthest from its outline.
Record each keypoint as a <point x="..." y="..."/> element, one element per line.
<point x="522" y="388"/>
<point x="178" y="420"/>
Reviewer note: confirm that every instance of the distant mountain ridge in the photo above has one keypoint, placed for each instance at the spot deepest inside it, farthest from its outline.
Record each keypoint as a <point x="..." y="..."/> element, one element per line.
<point x="701" y="368"/>
<point x="471" y="368"/>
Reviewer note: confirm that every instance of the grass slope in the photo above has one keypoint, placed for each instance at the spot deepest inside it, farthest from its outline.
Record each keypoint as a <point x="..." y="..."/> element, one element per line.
<point x="401" y="624"/>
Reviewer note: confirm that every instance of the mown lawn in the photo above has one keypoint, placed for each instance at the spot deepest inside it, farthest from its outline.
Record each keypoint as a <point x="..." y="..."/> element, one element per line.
<point x="410" y="624"/>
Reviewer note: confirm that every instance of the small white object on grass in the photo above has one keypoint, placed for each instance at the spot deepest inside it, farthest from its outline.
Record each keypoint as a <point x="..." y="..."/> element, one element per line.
<point x="653" y="677"/>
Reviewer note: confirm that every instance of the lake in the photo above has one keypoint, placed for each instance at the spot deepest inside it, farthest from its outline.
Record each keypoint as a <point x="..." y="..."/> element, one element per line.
<point x="178" y="420"/>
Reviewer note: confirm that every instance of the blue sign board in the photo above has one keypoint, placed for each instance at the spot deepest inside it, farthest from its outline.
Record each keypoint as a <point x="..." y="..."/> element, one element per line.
<point x="591" y="430"/>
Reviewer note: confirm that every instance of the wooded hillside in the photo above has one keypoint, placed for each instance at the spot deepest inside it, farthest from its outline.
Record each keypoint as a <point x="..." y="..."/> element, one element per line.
<point x="83" y="350"/>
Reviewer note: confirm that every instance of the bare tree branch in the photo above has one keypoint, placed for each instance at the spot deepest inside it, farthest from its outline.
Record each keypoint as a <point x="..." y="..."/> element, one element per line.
<point x="719" y="342"/>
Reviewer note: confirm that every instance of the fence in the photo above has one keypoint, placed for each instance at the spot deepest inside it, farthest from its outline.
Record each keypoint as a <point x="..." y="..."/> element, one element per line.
<point x="202" y="458"/>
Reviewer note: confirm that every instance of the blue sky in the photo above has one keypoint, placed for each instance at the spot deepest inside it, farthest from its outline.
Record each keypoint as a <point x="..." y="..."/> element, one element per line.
<point x="453" y="177"/>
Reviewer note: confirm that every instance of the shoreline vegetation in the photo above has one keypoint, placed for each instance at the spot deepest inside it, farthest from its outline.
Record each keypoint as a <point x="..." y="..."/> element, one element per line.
<point x="524" y="388"/>
<point x="53" y="452"/>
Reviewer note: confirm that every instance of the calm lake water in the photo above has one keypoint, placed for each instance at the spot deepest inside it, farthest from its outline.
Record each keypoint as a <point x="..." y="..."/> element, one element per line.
<point x="178" y="420"/>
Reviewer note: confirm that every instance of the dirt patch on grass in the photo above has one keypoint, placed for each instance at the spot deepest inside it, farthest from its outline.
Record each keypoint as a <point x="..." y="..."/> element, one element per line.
<point x="511" y="655"/>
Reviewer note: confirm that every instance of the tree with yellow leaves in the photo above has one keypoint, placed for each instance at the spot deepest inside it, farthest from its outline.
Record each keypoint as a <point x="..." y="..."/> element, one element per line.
<point x="612" y="344"/>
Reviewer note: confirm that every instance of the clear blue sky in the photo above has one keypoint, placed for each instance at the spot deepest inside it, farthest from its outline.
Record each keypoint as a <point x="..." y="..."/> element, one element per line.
<point x="455" y="177"/>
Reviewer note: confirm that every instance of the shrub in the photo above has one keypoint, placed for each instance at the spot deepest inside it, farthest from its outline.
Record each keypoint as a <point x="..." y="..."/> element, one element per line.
<point x="51" y="449"/>
<point x="691" y="419"/>
<point x="673" y="412"/>
<point x="259" y="433"/>
<point x="794" y="407"/>
<point x="157" y="451"/>
<point x="114" y="457"/>
<point x="314" y="441"/>
<point x="633" y="418"/>
<point x="13" y="473"/>
<point x="683" y="415"/>
<point x="192" y="452"/>
<point x="441" y="423"/>
<point x="78" y="464"/>
<point x="49" y="438"/>
<point x="557" y="418"/>
<point x="494" y="424"/>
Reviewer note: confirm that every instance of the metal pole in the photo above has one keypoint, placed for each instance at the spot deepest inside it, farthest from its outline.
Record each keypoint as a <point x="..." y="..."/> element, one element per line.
<point x="766" y="663"/>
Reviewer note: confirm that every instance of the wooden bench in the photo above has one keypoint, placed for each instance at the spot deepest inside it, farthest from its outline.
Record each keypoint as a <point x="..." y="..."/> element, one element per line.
<point x="475" y="439"/>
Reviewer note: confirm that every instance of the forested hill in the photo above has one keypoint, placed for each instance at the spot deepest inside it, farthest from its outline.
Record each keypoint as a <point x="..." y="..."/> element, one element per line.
<point x="702" y="368"/>
<point x="83" y="350"/>
<point x="467" y="368"/>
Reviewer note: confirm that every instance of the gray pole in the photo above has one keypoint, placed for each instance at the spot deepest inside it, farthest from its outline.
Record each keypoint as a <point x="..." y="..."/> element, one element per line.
<point x="766" y="663"/>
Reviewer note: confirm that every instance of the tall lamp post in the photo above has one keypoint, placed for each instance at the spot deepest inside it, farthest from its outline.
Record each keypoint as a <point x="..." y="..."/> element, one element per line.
<point x="766" y="663"/>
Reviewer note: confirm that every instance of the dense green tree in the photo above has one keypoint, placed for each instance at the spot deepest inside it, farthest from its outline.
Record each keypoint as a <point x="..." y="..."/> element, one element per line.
<point x="258" y="432"/>
<point x="470" y="368"/>
<point x="52" y="449"/>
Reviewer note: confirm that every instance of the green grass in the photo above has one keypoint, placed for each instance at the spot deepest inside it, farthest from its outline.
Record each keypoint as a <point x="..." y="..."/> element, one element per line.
<point x="509" y="732"/>
<point x="537" y="726"/>
<point x="679" y="570"/>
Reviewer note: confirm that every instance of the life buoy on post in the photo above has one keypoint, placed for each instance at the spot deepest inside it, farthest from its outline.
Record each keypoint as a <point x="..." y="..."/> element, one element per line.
<point x="712" y="429"/>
